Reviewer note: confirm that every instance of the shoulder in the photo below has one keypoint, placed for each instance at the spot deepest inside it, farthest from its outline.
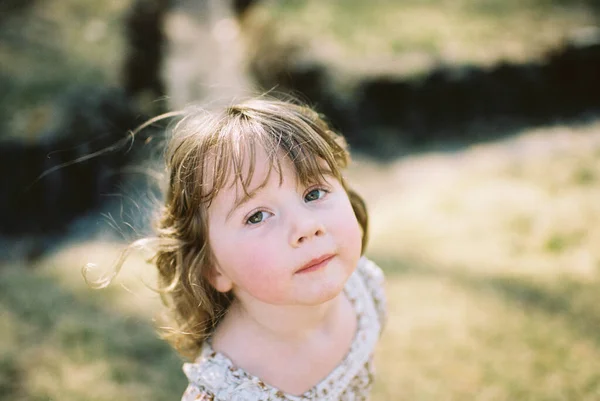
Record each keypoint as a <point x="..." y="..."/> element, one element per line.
<point x="197" y="393"/>
<point x="212" y="376"/>
<point x="373" y="279"/>
<point x="370" y="272"/>
<point x="207" y="376"/>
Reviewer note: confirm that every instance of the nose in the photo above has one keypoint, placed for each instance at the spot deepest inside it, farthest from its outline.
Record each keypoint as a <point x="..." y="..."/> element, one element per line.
<point x="305" y="226"/>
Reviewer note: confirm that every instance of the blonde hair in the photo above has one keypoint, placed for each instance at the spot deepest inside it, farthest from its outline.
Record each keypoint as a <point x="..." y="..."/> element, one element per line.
<point x="205" y="150"/>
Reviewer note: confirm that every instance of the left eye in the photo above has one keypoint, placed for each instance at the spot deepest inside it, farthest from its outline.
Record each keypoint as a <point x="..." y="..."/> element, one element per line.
<point x="258" y="217"/>
<point x="314" y="195"/>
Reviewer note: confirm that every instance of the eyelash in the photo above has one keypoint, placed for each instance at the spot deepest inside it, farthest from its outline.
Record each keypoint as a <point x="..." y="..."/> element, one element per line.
<point x="253" y="213"/>
<point x="309" y="190"/>
<point x="315" y="188"/>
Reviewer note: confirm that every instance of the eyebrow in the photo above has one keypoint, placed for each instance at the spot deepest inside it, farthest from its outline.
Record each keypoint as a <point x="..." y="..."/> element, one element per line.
<point x="239" y="202"/>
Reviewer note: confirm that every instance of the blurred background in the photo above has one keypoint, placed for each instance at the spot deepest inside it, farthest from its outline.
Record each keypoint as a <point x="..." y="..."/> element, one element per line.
<point x="475" y="130"/>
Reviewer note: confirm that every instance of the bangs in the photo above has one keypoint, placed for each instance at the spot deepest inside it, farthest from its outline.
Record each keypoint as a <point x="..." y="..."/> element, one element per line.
<point x="230" y="155"/>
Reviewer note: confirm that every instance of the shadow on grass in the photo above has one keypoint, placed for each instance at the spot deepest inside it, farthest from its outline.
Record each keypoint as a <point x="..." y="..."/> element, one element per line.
<point x="61" y="328"/>
<point x="575" y="302"/>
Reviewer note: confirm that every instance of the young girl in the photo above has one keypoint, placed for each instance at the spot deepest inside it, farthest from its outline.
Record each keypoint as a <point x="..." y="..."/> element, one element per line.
<point x="260" y="245"/>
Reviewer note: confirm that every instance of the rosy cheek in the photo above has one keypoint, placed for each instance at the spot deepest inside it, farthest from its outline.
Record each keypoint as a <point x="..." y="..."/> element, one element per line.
<point x="352" y="235"/>
<point x="254" y="264"/>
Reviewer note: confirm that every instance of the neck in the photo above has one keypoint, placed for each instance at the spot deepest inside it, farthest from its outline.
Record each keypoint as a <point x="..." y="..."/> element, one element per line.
<point x="284" y="322"/>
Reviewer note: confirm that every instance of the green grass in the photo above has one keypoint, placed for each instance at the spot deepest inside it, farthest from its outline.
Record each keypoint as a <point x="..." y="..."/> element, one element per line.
<point x="66" y="342"/>
<point x="457" y="337"/>
<point x="58" y="44"/>
<point x="408" y="37"/>
<point x="50" y="47"/>
<point x="492" y="271"/>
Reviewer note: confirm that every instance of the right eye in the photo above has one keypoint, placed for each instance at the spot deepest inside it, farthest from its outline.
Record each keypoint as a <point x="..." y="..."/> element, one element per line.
<point x="258" y="217"/>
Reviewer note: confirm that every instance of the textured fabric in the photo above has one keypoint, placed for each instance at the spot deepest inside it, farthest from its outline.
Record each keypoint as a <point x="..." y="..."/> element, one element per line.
<point x="213" y="376"/>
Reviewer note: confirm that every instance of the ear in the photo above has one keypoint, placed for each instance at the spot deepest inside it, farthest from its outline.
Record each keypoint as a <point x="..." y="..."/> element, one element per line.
<point x="218" y="279"/>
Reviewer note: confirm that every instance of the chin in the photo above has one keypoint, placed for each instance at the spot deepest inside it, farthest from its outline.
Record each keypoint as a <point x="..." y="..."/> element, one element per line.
<point x="324" y="294"/>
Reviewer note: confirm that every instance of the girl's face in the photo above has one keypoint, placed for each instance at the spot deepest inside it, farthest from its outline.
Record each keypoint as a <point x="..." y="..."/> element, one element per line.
<point x="286" y="244"/>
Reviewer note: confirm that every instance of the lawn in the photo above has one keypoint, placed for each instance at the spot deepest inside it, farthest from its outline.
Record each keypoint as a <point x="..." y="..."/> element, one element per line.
<point x="492" y="270"/>
<point x="492" y="262"/>
<point x="411" y="36"/>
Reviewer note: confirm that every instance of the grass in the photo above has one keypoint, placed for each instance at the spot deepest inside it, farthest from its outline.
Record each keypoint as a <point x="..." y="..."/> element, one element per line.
<point x="456" y="338"/>
<point x="492" y="278"/>
<point x="71" y="43"/>
<point x="493" y="269"/>
<point x="66" y="43"/>
<point x="61" y="340"/>
<point x="408" y="37"/>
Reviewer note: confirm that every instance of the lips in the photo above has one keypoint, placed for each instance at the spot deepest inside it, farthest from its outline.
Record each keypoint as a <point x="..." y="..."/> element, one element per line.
<point x="316" y="263"/>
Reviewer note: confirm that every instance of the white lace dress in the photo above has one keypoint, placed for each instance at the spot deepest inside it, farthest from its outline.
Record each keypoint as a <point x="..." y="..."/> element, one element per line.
<point x="213" y="376"/>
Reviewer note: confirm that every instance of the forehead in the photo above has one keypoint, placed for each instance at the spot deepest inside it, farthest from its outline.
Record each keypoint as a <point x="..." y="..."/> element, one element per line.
<point x="255" y="167"/>
<point x="245" y="155"/>
<point x="256" y="170"/>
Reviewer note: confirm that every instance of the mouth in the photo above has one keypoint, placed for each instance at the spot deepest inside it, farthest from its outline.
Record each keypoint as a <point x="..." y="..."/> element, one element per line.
<point x="316" y="264"/>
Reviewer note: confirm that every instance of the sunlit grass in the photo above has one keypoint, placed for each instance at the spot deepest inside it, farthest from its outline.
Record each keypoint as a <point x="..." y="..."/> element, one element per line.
<point x="492" y="263"/>
<point x="526" y="205"/>
<point x="61" y="340"/>
<point x="50" y="47"/>
<point x="410" y="36"/>
<point x="453" y="337"/>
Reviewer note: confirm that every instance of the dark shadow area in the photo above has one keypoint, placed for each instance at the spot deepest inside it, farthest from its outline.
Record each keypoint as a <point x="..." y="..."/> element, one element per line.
<point x="76" y="161"/>
<point x="591" y="5"/>
<point x="82" y="331"/>
<point x="12" y="7"/>
<point x="389" y="116"/>
<point x="146" y="42"/>
<point x="563" y="300"/>
<point x="71" y="154"/>
<point x="84" y="177"/>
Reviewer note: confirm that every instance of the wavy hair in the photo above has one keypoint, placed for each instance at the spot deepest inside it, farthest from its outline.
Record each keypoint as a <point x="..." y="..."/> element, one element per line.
<point x="204" y="151"/>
